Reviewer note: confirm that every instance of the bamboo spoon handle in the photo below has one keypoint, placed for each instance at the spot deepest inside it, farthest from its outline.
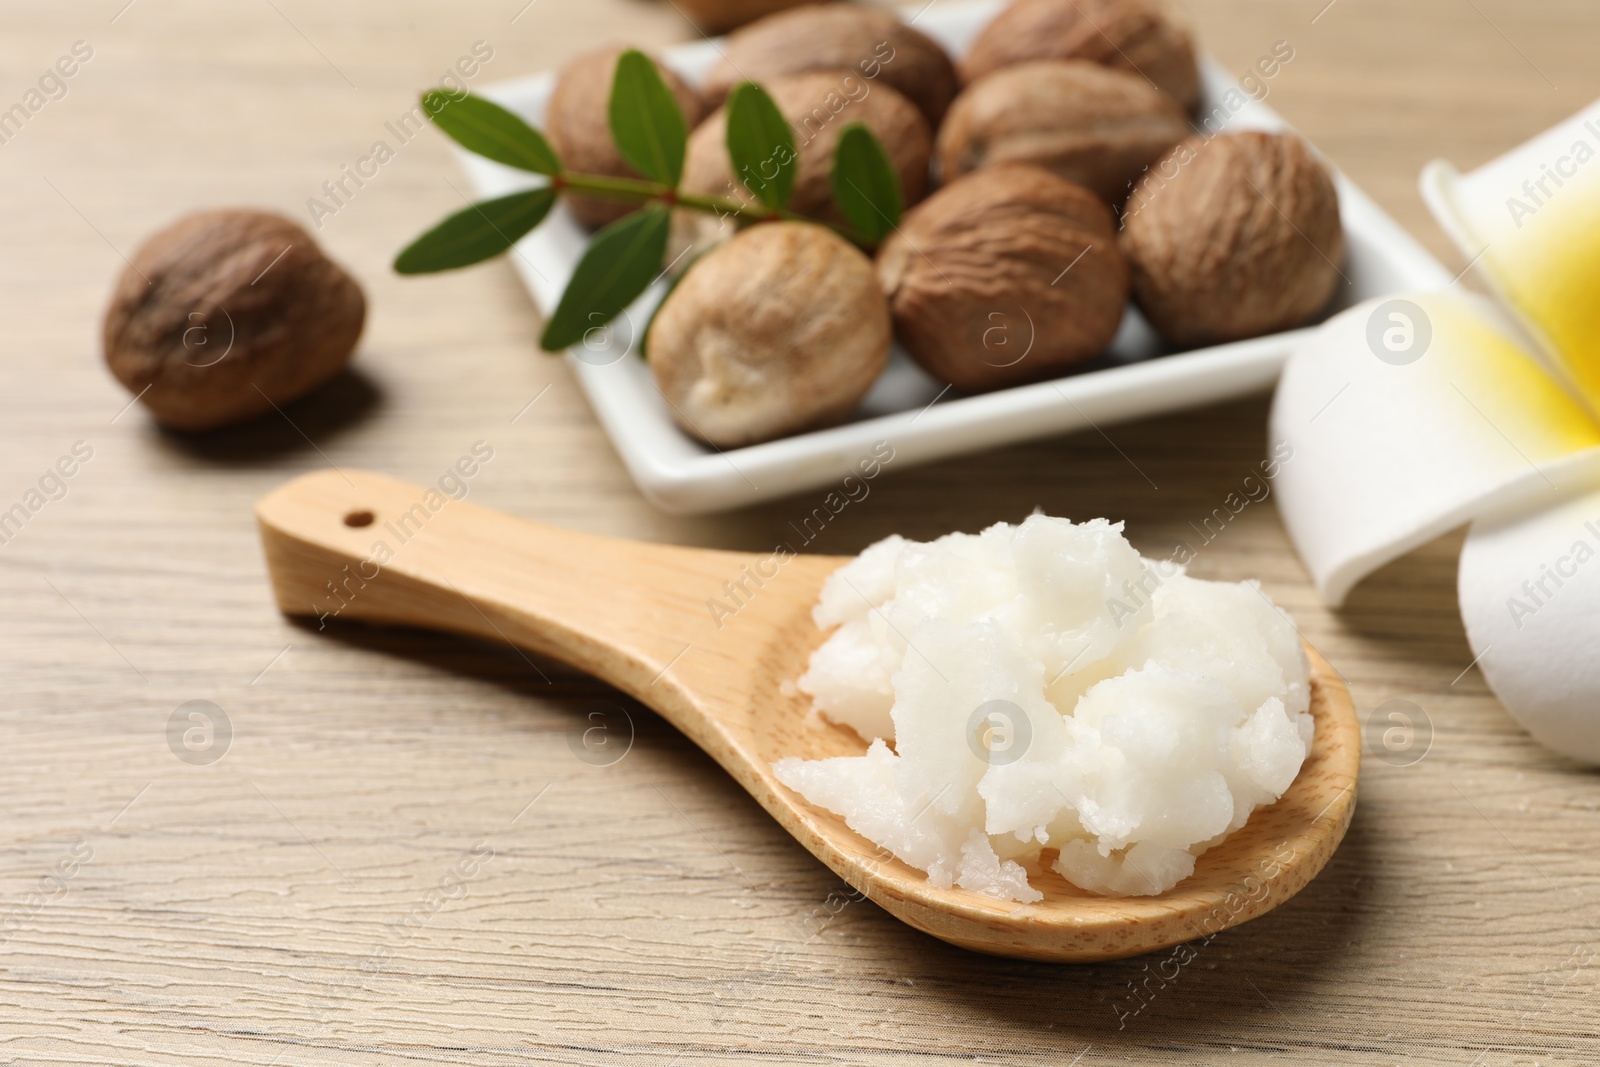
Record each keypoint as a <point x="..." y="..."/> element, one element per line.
<point x="356" y="545"/>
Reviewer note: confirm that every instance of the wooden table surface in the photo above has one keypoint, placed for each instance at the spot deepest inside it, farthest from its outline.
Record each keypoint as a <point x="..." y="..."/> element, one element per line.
<point x="400" y="858"/>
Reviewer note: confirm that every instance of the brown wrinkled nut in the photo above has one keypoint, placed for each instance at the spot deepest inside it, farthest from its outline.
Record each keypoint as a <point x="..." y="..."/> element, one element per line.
<point x="1138" y="36"/>
<point x="819" y="106"/>
<point x="578" y="121"/>
<point x="781" y="329"/>
<point x="1233" y="237"/>
<point x="1005" y="276"/>
<point x="224" y="314"/>
<point x="720" y="16"/>
<point x="1090" y="124"/>
<point x="870" y="43"/>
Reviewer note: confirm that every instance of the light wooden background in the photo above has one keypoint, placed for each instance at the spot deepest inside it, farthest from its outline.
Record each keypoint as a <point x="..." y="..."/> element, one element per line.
<point x="255" y="910"/>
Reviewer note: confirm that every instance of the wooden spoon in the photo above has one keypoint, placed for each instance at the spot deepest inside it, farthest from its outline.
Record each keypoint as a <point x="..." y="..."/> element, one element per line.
<point x="355" y="545"/>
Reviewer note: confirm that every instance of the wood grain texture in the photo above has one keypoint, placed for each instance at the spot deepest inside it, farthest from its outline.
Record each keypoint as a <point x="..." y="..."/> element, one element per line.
<point x="302" y="900"/>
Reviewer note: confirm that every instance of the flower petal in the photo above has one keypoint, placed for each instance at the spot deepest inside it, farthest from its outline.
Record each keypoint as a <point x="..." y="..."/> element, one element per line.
<point x="1530" y="598"/>
<point x="1403" y="418"/>
<point x="1528" y="220"/>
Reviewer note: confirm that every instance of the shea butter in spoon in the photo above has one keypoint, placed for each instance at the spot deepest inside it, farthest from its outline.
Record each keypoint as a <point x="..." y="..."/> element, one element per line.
<point x="348" y="545"/>
<point x="1046" y="688"/>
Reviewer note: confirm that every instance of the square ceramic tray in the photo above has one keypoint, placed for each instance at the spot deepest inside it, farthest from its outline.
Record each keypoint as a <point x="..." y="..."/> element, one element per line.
<point x="920" y="418"/>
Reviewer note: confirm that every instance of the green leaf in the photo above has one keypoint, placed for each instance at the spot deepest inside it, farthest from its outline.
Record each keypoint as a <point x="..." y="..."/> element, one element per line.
<point x="620" y="263"/>
<point x="761" y="145"/>
<point x="646" y="122"/>
<point x="490" y="130"/>
<point x="865" y="184"/>
<point x="476" y="233"/>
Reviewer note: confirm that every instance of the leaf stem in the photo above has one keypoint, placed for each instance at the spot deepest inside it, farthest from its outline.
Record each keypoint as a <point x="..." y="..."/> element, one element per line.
<point x="630" y="189"/>
<point x="721" y="205"/>
<point x="637" y="191"/>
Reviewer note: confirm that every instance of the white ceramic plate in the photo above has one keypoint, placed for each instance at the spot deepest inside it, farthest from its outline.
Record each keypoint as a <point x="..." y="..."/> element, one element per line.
<point x="919" y="417"/>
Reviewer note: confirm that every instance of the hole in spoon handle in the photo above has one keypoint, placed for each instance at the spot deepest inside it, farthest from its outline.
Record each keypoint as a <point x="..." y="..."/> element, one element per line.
<point x="347" y="545"/>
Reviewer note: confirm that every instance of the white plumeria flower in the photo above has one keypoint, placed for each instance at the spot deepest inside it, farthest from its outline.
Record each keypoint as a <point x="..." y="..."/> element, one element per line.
<point x="1411" y="416"/>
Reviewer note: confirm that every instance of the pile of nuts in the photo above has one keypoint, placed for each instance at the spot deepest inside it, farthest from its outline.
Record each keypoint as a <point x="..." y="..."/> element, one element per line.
<point x="1065" y="178"/>
<point x="1050" y="177"/>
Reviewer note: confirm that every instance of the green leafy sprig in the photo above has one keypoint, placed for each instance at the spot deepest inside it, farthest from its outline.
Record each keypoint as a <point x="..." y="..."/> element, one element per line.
<point x="650" y="132"/>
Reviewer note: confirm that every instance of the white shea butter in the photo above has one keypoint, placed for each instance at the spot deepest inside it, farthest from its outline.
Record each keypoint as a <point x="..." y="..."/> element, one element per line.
<point x="1044" y="686"/>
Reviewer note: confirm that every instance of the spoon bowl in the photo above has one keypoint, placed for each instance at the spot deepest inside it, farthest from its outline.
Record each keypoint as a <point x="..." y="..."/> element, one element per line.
<point x="353" y="545"/>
